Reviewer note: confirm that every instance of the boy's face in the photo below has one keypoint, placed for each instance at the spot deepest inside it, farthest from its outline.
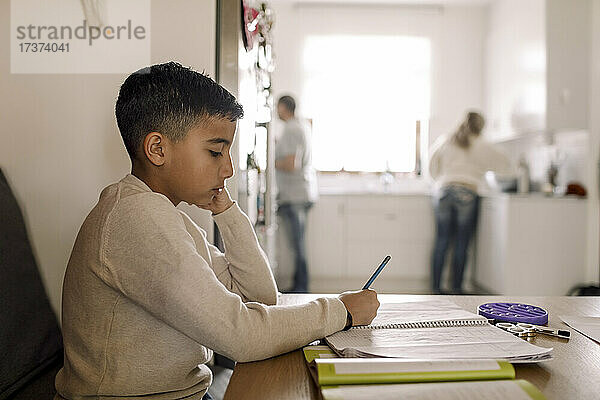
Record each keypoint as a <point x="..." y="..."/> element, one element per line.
<point x="198" y="165"/>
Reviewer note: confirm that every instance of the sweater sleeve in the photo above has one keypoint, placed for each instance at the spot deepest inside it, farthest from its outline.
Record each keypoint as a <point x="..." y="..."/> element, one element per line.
<point x="435" y="162"/>
<point x="151" y="259"/>
<point x="244" y="268"/>
<point x="497" y="161"/>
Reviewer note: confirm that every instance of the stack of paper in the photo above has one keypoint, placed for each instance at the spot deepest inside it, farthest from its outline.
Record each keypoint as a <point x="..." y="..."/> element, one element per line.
<point x="345" y="378"/>
<point x="482" y="390"/>
<point x="344" y="371"/>
<point x="457" y="334"/>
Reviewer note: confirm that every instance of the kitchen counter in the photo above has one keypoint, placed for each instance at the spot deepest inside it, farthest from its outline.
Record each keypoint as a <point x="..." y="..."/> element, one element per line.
<point x="532" y="196"/>
<point x="531" y="244"/>
<point x="339" y="191"/>
<point x="372" y="185"/>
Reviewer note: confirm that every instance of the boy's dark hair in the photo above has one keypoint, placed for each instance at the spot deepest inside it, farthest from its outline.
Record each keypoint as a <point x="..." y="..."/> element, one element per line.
<point x="288" y="102"/>
<point x="171" y="99"/>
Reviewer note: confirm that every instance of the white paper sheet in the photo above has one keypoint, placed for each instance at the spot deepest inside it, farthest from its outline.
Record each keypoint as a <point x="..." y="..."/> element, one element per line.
<point x="344" y="366"/>
<point x="419" y="337"/>
<point x="588" y="326"/>
<point x="500" y="351"/>
<point x="469" y="342"/>
<point x="482" y="390"/>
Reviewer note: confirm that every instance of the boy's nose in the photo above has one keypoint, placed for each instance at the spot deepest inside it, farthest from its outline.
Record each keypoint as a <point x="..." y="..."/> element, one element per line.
<point x="227" y="169"/>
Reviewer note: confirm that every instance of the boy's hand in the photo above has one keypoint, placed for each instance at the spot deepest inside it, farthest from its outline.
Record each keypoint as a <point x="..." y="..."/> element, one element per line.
<point x="219" y="202"/>
<point x="362" y="305"/>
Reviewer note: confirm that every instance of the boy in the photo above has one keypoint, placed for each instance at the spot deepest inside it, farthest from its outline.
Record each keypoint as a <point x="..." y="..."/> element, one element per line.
<point x="146" y="298"/>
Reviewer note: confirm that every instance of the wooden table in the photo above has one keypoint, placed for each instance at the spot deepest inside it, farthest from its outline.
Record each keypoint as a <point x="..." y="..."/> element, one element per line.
<point x="573" y="374"/>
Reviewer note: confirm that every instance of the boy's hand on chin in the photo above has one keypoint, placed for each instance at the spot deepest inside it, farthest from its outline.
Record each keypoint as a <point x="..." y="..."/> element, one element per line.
<point x="219" y="203"/>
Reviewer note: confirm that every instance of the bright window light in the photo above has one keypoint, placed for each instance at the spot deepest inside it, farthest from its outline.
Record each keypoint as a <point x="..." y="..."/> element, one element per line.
<point x="364" y="94"/>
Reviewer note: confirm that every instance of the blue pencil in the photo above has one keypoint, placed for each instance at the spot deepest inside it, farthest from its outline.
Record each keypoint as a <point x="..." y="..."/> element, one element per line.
<point x="377" y="272"/>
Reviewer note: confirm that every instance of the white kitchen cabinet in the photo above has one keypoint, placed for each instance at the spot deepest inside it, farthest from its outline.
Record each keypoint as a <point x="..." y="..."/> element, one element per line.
<point x="325" y="242"/>
<point x="326" y="237"/>
<point x="372" y="233"/>
<point x="348" y="235"/>
<point x="525" y="245"/>
<point x="568" y="26"/>
<point x="537" y="67"/>
<point x="398" y="225"/>
<point x="531" y="245"/>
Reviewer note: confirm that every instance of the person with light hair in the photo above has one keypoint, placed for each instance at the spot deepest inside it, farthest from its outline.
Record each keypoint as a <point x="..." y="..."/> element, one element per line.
<point x="458" y="165"/>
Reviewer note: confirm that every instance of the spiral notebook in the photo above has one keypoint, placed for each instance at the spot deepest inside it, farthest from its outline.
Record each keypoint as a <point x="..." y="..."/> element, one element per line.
<point x="436" y="329"/>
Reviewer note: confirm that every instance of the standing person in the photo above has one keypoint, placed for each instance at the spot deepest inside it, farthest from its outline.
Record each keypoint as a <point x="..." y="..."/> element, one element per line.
<point x="458" y="165"/>
<point x="297" y="184"/>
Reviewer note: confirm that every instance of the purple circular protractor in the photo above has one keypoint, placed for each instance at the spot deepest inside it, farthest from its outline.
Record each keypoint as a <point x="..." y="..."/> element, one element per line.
<point x="514" y="312"/>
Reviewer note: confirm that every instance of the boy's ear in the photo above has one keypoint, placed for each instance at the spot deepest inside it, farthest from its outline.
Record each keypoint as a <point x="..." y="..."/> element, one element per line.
<point x="153" y="148"/>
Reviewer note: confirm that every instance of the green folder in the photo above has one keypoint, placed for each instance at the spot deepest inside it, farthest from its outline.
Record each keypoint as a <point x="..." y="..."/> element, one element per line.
<point x="329" y="370"/>
<point x="371" y="380"/>
<point x="355" y="371"/>
<point x="313" y="352"/>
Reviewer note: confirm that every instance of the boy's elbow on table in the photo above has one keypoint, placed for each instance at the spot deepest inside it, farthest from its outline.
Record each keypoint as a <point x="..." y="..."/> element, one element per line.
<point x="270" y="298"/>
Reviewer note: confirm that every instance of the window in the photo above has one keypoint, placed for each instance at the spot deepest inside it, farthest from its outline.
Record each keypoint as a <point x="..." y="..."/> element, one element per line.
<point x="364" y="94"/>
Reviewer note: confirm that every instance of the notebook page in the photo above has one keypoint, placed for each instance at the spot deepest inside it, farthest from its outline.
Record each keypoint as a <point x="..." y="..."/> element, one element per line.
<point x="499" y="351"/>
<point x="453" y="342"/>
<point x="483" y="390"/>
<point x="588" y="326"/>
<point x="421" y="311"/>
<point x="418" y="337"/>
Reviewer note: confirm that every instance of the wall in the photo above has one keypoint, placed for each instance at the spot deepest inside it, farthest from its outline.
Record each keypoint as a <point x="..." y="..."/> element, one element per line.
<point x="60" y="143"/>
<point x="515" y="67"/>
<point x="593" y="258"/>
<point x="569" y="31"/>
<point x="457" y="47"/>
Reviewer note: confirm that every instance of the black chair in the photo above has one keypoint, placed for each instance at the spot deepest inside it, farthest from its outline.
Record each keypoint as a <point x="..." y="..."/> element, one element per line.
<point x="583" y="290"/>
<point x="30" y="338"/>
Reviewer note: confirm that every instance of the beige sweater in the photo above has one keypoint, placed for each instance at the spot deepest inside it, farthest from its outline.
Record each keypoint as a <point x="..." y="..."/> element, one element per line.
<point x="146" y="298"/>
<point x="450" y="163"/>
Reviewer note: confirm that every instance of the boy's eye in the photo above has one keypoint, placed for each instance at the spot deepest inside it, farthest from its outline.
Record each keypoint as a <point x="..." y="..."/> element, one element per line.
<point x="215" y="153"/>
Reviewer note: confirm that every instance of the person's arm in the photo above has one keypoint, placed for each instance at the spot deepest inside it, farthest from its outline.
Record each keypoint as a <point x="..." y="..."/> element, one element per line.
<point x="151" y="259"/>
<point x="291" y="150"/>
<point x="244" y="268"/>
<point x="287" y="163"/>
<point x="435" y="162"/>
<point x="498" y="161"/>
